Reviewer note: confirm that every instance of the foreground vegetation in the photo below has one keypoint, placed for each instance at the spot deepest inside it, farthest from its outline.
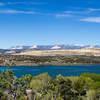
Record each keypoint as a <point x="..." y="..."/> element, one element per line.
<point x="48" y="60"/>
<point x="43" y="87"/>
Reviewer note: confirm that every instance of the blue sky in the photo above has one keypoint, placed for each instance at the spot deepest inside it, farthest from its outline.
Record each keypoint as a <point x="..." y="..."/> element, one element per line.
<point x="41" y="22"/>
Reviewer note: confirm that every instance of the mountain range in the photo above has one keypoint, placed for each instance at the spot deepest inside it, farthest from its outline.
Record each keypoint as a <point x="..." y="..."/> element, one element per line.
<point x="19" y="49"/>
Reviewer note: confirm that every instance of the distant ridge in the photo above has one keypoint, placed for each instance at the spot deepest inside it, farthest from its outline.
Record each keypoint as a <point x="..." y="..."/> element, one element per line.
<point x="88" y="51"/>
<point x="50" y="47"/>
<point x="19" y="49"/>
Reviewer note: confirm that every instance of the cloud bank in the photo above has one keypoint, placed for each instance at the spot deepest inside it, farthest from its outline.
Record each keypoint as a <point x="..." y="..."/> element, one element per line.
<point x="81" y="14"/>
<point x="16" y="12"/>
<point x="91" y="19"/>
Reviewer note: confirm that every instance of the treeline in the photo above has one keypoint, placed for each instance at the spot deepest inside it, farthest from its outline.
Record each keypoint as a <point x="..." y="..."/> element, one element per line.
<point x="43" y="87"/>
<point x="49" y="60"/>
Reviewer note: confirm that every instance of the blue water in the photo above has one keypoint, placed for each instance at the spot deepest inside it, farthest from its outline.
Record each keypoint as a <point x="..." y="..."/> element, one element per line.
<point x="53" y="71"/>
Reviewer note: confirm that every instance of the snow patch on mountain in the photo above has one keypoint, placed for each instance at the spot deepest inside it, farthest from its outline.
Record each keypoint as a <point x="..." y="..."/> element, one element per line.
<point x="56" y="47"/>
<point x="34" y="47"/>
<point x="19" y="47"/>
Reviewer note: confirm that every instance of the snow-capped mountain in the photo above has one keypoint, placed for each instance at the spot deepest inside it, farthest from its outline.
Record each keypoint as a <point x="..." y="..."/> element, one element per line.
<point x="52" y="47"/>
<point x="18" y="49"/>
<point x="34" y="47"/>
<point x="56" y="47"/>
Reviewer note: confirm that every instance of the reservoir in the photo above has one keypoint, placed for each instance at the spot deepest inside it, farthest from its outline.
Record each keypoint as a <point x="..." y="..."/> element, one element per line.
<point x="53" y="71"/>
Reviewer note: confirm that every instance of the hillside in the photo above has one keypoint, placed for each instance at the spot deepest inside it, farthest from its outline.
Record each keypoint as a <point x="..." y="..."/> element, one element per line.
<point x="52" y="50"/>
<point x="26" y="60"/>
<point x="85" y="51"/>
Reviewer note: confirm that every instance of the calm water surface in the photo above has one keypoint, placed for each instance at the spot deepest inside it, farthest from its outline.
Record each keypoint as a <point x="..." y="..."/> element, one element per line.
<point x="74" y="70"/>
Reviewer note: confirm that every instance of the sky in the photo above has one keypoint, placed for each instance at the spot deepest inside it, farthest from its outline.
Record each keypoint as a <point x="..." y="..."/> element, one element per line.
<point x="49" y="22"/>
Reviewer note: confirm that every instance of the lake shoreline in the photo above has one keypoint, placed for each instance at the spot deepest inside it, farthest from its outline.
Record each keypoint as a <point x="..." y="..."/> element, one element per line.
<point x="34" y="65"/>
<point x="53" y="71"/>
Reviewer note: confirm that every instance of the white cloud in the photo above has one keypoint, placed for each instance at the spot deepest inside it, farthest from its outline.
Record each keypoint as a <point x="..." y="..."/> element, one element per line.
<point x="62" y="15"/>
<point x="91" y="19"/>
<point x="25" y="3"/>
<point x="83" y="11"/>
<point x="93" y="9"/>
<point x="1" y="4"/>
<point x="73" y="12"/>
<point x="16" y="12"/>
